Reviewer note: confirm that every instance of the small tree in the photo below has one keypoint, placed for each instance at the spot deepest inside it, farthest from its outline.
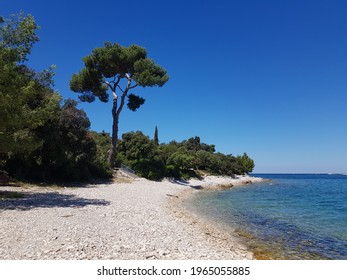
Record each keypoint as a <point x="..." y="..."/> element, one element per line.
<point x="156" y="137"/>
<point x="106" y="68"/>
<point x="246" y="162"/>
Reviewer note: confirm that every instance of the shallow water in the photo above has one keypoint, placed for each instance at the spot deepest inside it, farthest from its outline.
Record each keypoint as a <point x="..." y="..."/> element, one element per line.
<point x="291" y="217"/>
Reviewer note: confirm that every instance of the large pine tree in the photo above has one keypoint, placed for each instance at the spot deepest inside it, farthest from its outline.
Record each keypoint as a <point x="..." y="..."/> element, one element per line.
<point x="117" y="69"/>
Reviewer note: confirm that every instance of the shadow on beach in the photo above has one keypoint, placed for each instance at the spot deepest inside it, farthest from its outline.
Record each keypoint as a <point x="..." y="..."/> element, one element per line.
<point x="49" y="200"/>
<point x="88" y="184"/>
<point x="185" y="183"/>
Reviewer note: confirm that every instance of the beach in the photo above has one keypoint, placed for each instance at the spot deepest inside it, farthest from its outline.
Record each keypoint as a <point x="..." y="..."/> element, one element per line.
<point x="137" y="219"/>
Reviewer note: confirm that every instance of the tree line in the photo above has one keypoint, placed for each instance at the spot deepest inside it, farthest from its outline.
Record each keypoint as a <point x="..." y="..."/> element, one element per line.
<point x="46" y="138"/>
<point x="175" y="159"/>
<point x="42" y="137"/>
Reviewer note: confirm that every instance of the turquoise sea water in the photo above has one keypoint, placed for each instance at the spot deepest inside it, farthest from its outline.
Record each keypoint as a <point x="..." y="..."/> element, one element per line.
<point x="293" y="216"/>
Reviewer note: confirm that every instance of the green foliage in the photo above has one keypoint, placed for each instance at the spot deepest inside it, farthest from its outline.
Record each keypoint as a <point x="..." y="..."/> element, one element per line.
<point x="151" y="169"/>
<point x="205" y="160"/>
<point x="103" y="143"/>
<point x="182" y="159"/>
<point x="147" y="73"/>
<point x="177" y="159"/>
<point x="246" y="162"/>
<point x="68" y="152"/>
<point x="135" y="146"/>
<point x="172" y="171"/>
<point x="156" y="136"/>
<point x="39" y="138"/>
<point x="26" y="99"/>
<point x="89" y="82"/>
<point x="106" y="68"/>
<point x="135" y="102"/>
<point x="226" y="165"/>
<point x="17" y="36"/>
<point x="140" y="153"/>
<point x="194" y="144"/>
<point x="165" y="151"/>
<point x="112" y="63"/>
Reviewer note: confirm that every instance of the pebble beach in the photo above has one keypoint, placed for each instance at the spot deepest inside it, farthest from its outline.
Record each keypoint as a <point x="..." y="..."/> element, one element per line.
<point x="131" y="220"/>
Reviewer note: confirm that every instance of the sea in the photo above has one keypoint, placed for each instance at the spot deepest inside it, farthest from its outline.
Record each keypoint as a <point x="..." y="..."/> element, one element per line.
<point x="288" y="216"/>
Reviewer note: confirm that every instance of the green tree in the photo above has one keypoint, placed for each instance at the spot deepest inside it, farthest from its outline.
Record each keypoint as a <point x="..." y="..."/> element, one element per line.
<point x="156" y="137"/>
<point x="26" y="98"/>
<point x="67" y="152"/>
<point x="39" y="138"/>
<point x="246" y="162"/>
<point x="116" y="68"/>
<point x="182" y="159"/>
<point x="194" y="144"/>
<point x="103" y="142"/>
<point x="205" y="160"/>
<point x="164" y="151"/>
<point x="140" y="153"/>
<point x="73" y="158"/>
<point x="135" y="146"/>
<point x="17" y="37"/>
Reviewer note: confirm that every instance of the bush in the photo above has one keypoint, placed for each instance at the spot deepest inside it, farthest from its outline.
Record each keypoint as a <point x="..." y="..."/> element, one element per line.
<point x="150" y="169"/>
<point x="172" y="171"/>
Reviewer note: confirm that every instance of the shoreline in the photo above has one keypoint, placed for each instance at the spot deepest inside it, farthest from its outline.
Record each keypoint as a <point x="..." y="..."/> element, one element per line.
<point x="219" y="183"/>
<point x="138" y="220"/>
<point x="229" y="234"/>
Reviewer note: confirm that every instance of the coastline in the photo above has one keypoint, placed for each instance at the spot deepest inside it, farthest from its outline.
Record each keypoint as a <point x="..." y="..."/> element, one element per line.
<point x="138" y="220"/>
<point x="233" y="241"/>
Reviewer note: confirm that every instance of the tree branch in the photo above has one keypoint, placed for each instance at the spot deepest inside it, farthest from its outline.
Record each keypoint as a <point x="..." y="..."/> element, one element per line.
<point x="125" y="93"/>
<point x="113" y="89"/>
<point x="129" y="83"/>
<point x="118" y="79"/>
<point x="121" y="89"/>
<point x="127" y="76"/>
<point x="121" y="104"/>
<point x="108" y="84"/>
<point x="134" y="86"/>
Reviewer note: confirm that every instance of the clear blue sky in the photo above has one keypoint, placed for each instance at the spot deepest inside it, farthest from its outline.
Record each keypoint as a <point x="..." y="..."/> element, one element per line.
<point x="264" y="77"/>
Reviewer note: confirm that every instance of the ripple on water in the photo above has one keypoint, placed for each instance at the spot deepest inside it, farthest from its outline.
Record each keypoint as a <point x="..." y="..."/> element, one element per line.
<point x="298" y="217"/>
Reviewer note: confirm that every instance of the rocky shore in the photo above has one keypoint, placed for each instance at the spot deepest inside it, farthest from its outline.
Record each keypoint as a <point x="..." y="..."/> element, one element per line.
<point x="140" y="219"/>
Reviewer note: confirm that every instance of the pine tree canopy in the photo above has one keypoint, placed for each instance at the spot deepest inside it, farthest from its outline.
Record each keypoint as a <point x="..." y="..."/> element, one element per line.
<point x="106" y="66"/>
<point x="118" y="69"/>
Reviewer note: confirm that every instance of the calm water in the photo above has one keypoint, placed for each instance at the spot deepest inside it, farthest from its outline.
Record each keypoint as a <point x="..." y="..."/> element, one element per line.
<point x="292" y="216"/>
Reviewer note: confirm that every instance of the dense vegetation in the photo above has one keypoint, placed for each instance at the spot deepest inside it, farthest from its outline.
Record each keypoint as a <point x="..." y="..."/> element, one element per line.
<point x="45" y="138"/>
<point x="41" y="137"/>
<point x="177" y="159"/>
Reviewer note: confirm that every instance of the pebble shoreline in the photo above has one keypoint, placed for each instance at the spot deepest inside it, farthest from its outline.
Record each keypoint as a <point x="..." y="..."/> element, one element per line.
<point x="138" y="220"/>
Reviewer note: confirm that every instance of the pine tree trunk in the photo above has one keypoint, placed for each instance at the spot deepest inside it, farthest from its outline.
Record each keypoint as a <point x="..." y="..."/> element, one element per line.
<point x="112" y="151"/>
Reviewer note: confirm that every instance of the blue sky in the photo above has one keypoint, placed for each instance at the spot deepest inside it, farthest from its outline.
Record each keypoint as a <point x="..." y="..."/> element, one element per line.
<point x="264" y="77"/>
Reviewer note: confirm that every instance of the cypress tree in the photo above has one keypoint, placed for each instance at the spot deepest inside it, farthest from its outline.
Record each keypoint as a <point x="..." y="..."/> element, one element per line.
<point x="156" y="138"/>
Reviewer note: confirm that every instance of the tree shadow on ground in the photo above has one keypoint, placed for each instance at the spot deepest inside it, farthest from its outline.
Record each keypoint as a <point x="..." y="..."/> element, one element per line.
<point x="49" y="200"/>
<point x="185" y="183"/>
<point x="89" y="184"/>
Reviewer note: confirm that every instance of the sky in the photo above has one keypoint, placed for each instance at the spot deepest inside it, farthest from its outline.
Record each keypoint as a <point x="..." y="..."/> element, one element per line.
<point x="264" y="77"/>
